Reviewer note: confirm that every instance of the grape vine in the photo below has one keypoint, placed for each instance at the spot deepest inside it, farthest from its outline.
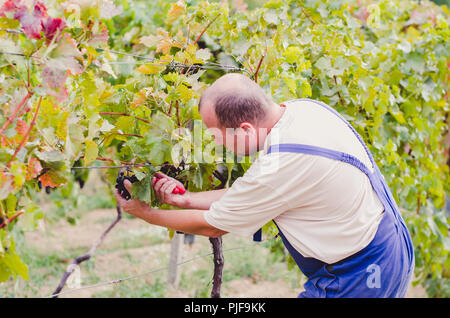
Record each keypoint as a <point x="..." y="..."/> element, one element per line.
<point x="84" y="82"/>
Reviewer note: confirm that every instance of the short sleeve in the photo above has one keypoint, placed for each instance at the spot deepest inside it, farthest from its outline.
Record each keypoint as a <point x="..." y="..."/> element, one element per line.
<point x="246" y="206"/>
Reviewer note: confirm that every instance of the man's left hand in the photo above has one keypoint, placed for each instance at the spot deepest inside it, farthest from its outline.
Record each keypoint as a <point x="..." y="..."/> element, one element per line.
<point x="133" y="207"/>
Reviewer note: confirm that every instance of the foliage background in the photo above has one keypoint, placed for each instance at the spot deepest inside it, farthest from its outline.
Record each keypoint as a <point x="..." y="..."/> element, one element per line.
<point x="382" y="64"/>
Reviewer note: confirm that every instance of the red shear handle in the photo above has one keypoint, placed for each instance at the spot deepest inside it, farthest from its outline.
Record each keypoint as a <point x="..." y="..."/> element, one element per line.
<point x="177" y="190"/>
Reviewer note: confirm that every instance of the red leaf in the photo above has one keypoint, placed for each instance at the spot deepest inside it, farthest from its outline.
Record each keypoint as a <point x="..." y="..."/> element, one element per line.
<point x="8" y="6"/>
<point x="33" y="169"/>
<point x="362" y="14"/>
<point x="52" y="26"/>
<point x="51" y="179"/>
<point x="31" y="21"/>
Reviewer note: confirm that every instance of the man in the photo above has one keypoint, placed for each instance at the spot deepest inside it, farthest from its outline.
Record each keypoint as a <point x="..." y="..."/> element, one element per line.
<point x="315" y="179"/>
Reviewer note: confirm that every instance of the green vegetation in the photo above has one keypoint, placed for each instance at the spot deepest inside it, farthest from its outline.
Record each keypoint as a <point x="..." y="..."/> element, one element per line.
<point x="68" y="98"/>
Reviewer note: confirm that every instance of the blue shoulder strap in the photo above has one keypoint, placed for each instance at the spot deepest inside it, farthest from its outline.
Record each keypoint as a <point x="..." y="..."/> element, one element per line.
<point x="317" y="151"/>
<point x="328" y="153"/>
<point x="323" y="152"/>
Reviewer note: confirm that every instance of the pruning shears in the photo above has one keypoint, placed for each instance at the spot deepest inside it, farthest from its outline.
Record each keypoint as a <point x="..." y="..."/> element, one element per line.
<point x="128" y="174"/>
<point x="177" y="190"/>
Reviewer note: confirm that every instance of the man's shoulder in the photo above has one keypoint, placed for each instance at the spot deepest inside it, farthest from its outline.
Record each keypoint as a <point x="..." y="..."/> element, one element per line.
<point x="305" y="101"/>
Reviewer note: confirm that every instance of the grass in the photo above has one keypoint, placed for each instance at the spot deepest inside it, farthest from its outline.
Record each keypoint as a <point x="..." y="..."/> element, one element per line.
<point x="141" y="252"/>
<point x="132" y="247"/>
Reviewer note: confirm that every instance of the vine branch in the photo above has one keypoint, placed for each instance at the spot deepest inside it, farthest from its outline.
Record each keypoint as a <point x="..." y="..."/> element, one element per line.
<point x="25" y="137"/>
<point x="170" y="108"/>
<point x="218" y="266"/>
<point x="9" y="220"/>
<point x="341" y="100"/>
<point x="86" y="256"/>
<point x="206" y="28"/>
<point x="128" y="134"/>
<point x="177" y="107"/>
<point x="10" y="118"/>
<point x="308" y="16"/>
<point x="259" y="66"/>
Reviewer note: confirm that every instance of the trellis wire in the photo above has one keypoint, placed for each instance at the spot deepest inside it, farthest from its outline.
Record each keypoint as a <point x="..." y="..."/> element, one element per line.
<point x="207" y="65"/>
<point x="113" y="167"/>
<point x="120" y="280"/>
<point x="152" y="61"/>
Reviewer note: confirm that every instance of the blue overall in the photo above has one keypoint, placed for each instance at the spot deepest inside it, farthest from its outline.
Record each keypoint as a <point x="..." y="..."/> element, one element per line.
<point x="381" y="269"/>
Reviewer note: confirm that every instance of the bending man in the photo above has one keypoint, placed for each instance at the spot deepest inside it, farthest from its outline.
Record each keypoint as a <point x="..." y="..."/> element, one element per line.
<point x="315" y="179"/>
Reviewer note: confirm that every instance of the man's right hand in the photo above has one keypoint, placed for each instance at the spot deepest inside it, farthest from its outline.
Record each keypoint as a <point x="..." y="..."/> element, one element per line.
<point x="164" y="186"/>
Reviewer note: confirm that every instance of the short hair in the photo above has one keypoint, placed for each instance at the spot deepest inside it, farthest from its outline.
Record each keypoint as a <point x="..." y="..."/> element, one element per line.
<point x="246" y="102"/>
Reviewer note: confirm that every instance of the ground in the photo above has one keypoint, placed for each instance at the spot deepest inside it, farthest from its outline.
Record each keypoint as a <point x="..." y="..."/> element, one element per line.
<point x="134" y="247"/>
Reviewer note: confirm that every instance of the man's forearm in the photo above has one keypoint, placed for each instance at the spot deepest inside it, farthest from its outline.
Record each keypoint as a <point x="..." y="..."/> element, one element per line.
<point x="203" y="200"/>
<point x="187" y="221"/>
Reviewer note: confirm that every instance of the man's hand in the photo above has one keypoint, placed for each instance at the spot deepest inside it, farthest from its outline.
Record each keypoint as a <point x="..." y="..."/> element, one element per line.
<point x="163" y="190"/>
<point x="188" y="221"/>
<point x="133" y="207"/>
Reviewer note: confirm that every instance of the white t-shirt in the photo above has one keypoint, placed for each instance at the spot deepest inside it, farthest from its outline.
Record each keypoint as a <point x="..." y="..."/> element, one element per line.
<point x="326" y="208"/>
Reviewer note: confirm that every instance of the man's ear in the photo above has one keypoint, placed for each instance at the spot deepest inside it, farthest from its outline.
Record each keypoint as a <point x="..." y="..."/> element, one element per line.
<point x="247" y="127"/>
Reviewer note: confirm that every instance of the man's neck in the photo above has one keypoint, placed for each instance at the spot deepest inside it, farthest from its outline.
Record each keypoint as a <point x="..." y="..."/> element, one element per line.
<point x="276" y="116"/>
<point x="271" y="121"/>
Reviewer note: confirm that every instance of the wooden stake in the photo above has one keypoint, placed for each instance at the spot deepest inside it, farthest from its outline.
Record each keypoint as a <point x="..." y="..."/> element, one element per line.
<point x="175" y="257"/>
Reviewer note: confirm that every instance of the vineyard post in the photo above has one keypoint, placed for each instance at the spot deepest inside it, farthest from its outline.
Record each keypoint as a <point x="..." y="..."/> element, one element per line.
<point x="175" y="257"/>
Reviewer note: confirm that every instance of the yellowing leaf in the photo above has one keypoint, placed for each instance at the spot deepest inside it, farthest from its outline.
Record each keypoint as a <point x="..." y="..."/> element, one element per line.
<point x="165" y="45"/>
<point x="291" y="83"/>
<point x="176" y="9"/>
<point x="149" y="41"/>
<point x="185" y="93"/>
<point x="91" y="152"/>
<point x="150" y="69"/>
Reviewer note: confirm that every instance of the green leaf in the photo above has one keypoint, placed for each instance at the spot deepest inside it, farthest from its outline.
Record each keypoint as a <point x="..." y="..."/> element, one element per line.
<point x="203" y="54"/>
<point x="11" y="202"/>
<point x="52" y="159"/>
<point x="291" y="83"/>
<point x="91" y="152"/>
<point x="139" y="175"/>
<point x="293" y="54"/>
<point x="415" y="62"/>
<point x="273" y="4"/>
<point x="125" y="123"/>
<point x="15" y="264"/>
<point x="323" y="64"/>
<point x="142" y="190"/>
<point x="271" y="17"/>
